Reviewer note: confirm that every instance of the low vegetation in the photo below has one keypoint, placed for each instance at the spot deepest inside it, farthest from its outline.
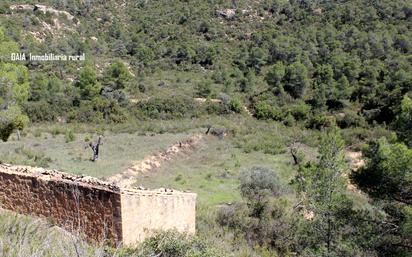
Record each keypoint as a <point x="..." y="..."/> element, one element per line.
<point x="24" y="236"/>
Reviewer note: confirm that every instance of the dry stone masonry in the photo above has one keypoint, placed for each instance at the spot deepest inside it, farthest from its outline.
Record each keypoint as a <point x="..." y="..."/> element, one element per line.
<point x="97" y="209"/>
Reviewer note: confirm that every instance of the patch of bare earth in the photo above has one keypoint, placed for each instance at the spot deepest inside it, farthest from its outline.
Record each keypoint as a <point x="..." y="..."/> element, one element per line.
<point x="56" y="28"/>
<point x="42" y="8"/>
<point x="355" y="162"/>
<point x="151" y="162"/>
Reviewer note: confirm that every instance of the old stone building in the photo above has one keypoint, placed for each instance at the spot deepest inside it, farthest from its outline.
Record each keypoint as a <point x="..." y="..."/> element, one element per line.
<point x="97" y="209"/>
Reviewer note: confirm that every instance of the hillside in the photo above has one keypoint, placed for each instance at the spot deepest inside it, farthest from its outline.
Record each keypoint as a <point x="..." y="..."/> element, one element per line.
<point x="289" y="62"/>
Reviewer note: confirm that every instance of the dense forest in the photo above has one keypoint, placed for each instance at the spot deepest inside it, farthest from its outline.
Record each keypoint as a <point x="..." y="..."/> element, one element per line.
<point x="342" y="69"/>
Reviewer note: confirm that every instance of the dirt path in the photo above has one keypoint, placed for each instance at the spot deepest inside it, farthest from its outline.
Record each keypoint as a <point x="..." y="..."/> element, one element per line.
<point x="151" y="162"/>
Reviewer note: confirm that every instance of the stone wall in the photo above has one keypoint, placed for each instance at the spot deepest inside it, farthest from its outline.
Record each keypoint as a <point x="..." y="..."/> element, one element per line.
<point x="95" y="208"/>
<point x="71" y="202"/>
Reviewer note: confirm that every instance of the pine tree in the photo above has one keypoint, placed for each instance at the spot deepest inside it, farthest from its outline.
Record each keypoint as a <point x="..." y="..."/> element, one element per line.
<point x="321" y="188"/>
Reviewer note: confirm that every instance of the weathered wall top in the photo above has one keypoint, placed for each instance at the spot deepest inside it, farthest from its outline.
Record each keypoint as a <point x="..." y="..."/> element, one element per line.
<point x="80" y="180"/>
<point x="45" y="174"/>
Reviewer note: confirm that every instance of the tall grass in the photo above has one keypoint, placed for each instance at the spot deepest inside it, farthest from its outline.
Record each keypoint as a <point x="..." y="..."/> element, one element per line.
<point x="23" y="236"/>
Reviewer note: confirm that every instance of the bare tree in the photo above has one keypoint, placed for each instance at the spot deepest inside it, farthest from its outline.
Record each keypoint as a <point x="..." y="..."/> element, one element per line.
<point x="95" y="147"/>
<point x="294" y="151"/>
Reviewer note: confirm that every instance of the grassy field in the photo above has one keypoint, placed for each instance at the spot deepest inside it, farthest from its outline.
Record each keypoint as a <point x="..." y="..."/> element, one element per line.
<point x="52" y="151"/>
<point x="212" y="171"/>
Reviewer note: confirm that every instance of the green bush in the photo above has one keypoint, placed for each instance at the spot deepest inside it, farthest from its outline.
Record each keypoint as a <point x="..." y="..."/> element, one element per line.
<point x="174" y="244"/>
<point x="262" y="218"/>
<point x="319" y="121"/>
<point x="216" y="108"/>
<point x="300" y="111"/>
<point x="179" y="177"/>
<point x="357" y="136"/>
<point x="56" y="131"/>
<point x="40" y="111"/>
<point x="289" y="120"/>
<point x="169" y="108"/>
<point x="259" y="182"/>
<point x="4" y="8"/>
<point x="235" y="106"/>
<point x="349" y="118"/>
<point x="233" y="216"/>
<point x="403" y="122"/>
<point x="204" y="89"/>
<point x="69" y="136"/>
<point x="265" y="111"/>
<point x="85" y="113"/>
<point x="11" y="119"/>
<point x="98" y="110"/>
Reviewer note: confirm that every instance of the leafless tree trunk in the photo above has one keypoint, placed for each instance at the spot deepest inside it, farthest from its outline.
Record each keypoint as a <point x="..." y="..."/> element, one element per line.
<point x="294" y="151"/>
<point x="95" y="148"/>
<point x="208" y="130"/>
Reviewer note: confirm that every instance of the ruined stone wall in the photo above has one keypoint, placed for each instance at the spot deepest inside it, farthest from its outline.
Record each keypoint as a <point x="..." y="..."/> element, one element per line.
<point x="95" y="208"/>
<point x="71" y="202"/>
<point x="144" y="212"/>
